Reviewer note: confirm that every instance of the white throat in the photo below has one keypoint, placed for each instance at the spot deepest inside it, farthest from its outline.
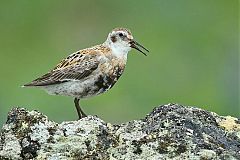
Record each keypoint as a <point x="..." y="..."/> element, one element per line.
<point x="119" y="50"/>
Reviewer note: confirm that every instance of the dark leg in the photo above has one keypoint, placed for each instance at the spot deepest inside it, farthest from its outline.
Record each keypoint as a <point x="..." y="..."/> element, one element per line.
<point x="81" y="114"/>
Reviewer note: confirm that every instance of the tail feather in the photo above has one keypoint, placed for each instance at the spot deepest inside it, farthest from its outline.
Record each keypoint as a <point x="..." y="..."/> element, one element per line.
<point x="30" y="84"/>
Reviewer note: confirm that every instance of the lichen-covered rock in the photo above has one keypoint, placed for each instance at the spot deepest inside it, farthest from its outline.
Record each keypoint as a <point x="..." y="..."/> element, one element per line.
<point x="169" y="132"/>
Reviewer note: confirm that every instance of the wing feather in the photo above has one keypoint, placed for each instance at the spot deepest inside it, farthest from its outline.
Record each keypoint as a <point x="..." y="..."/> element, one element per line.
<point x="75" y="67"/>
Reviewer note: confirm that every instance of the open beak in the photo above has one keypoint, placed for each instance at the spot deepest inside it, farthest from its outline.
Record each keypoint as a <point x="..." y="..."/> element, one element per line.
<point x="138" y="47"/>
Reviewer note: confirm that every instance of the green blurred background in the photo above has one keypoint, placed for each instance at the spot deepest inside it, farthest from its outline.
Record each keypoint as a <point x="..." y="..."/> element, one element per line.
<point x="193" y="57"/>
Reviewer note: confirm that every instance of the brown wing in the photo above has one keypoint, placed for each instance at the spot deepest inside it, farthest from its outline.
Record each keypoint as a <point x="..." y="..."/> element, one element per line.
<point x="74" y="67"/>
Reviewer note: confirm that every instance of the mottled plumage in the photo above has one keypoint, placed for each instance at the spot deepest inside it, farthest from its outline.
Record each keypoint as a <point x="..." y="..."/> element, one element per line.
<point x="90" y="71"/>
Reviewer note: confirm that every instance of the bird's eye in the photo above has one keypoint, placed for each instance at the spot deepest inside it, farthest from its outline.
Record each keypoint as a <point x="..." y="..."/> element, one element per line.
<point x="120" y="34"/>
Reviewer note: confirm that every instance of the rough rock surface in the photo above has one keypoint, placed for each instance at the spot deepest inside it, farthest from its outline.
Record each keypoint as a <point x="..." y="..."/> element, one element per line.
<point x="169" y="132"/>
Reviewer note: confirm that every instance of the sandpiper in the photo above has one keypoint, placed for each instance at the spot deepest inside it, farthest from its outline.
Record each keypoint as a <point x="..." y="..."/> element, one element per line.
<point x="91" y="71"/>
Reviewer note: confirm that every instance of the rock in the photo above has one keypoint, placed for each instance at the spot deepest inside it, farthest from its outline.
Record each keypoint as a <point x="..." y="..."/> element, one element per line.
<point x="169" y="132"/>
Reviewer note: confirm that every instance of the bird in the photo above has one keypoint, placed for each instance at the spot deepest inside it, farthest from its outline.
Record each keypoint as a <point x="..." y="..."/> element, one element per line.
<point x="91" y="71"/>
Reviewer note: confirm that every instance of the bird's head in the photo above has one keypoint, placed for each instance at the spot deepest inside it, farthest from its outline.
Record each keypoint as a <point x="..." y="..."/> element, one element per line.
<point x="120" y="40"/>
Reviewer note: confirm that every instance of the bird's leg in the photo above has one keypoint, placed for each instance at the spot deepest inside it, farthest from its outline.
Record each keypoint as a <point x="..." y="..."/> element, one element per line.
<point x="81" y="114"/>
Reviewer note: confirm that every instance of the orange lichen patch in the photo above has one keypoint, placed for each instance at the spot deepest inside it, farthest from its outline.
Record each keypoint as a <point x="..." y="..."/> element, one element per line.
<point x="229" y="123"/>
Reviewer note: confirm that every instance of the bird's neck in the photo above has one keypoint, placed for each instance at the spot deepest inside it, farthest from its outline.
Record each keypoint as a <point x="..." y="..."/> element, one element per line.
<point x="117" y="50"/>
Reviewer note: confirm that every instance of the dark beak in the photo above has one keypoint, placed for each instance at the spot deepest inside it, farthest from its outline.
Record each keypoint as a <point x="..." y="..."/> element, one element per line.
<point x="137" y="46"/>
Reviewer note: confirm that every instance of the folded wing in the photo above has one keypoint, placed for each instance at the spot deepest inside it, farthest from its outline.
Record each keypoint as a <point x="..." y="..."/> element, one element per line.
<point x="75" y="67"/>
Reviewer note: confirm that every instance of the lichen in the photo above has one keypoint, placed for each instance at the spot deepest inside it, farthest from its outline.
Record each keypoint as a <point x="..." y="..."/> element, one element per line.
<point x="11" y="148"/>
<point x="169" y="132"/>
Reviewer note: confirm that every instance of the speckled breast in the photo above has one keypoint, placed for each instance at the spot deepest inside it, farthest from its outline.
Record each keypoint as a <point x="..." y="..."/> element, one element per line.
<point x="107" y="80"/>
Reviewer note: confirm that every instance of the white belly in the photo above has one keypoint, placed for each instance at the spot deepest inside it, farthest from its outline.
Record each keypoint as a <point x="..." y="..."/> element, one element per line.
<point x="75" y="88"/>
